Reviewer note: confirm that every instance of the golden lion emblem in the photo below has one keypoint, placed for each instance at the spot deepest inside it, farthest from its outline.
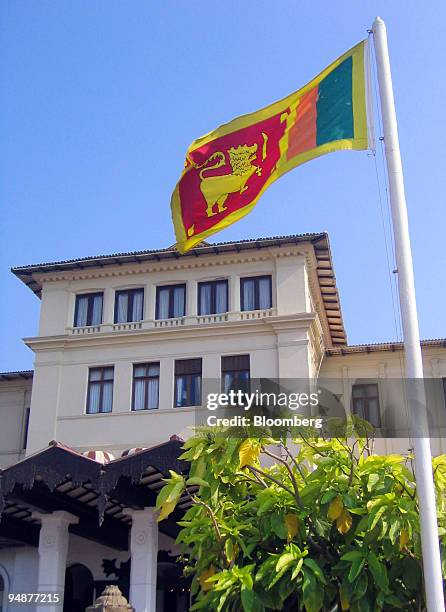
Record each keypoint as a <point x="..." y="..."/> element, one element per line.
<point x="216" y="189"/>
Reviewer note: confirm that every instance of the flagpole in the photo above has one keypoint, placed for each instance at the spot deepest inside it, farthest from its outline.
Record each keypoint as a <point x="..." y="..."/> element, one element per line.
<point x="413" y="358"/>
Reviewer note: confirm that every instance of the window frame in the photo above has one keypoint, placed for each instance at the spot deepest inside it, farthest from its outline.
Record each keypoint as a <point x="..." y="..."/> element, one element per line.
<point x="189" y="376"/>
<point x="101" y="382"/>
<point x="213" y="284"/>
<point x="235" y="371"/>
<point x="90" y="297"/>
<point x="146" y="379"/>
<point x="366" y="399"/>
<point x="256" y="280"/>
<point x="171" y="290"/>
<point x="131" y="292"/>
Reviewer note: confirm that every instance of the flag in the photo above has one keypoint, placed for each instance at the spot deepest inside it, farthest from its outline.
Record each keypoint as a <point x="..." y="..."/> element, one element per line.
<point x="227" y="170"/>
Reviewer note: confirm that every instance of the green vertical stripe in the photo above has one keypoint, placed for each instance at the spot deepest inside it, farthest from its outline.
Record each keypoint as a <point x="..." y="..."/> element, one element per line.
<point x="334" y="105"/>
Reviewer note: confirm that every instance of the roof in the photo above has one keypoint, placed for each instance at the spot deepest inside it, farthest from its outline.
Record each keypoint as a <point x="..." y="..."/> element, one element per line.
<point x="381" y="346"/>
<point x="19" y="375"/>
<point x="319" y="241"/>
<point x="58" y="477"/>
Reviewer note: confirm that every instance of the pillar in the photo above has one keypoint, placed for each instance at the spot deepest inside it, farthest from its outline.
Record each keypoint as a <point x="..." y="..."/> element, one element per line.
<point x="53" y="549"/>
<point x="143" y="559"/>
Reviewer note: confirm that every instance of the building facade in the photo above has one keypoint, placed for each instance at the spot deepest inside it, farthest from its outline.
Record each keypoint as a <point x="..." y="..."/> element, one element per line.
<point x="124" y="345"/>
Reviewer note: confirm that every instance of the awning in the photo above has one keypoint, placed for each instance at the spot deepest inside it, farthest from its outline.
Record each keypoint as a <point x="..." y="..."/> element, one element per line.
<point x="59" y="478"/>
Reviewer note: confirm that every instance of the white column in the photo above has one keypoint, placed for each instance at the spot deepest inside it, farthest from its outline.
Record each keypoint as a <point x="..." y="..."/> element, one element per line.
<point x="234" y="293"/>
<point x="191" y="298"/>
<point x="53" y="548"/>
<point x="143" y="555"/>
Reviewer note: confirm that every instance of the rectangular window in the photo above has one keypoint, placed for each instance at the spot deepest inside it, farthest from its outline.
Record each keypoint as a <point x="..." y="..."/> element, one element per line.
<point x="100" y="390"/>
<point x="129" y="305"/>
<point x="25" y="428"/>
<point x="365" y="403"/>
<point x="235" y="373"/>
<point x="170" y="301"/>
<point x="213" y="297"/>
<point x="256" y="293"/>
<point x="88" y="309"/>
<point x="187" y="382"/>
<point x="146" y="382"/>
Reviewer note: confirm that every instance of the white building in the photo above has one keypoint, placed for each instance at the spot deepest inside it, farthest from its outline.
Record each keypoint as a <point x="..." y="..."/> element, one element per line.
<point x="123" y="346"/>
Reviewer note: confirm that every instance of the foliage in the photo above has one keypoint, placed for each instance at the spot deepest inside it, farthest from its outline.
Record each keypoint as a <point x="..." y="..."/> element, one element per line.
<point x="328" y="526"/>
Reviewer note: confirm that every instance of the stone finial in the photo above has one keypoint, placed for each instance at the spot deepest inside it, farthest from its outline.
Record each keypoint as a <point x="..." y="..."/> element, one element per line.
<point x="111" y="600"/>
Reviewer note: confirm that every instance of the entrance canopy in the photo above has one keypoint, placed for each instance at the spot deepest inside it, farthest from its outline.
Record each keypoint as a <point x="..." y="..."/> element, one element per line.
<point x="59" y="478"/>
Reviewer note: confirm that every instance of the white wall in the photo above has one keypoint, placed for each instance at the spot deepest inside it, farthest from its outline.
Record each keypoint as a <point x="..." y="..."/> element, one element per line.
<point x="15" y="399"/>
<point x="343" y="371"/>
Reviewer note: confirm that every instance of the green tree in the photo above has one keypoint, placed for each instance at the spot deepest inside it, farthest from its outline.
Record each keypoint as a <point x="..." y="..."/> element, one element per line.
<point x="328" y="526"/>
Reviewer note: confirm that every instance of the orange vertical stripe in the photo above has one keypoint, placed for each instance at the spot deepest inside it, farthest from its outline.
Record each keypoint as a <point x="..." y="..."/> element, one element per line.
<point x="302" y="135"/>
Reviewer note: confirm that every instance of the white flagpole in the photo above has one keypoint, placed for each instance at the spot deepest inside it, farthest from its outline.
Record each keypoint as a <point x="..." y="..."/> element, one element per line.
<point x="414" y="366"/>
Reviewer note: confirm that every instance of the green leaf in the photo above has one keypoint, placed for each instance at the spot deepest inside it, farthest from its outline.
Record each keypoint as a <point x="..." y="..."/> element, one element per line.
<point x="315" y="569"/>
<point x="411" y="572"/>
<point x="196" y="481"/>
<point x="355" y="568"/>
<point x="313" y="595"/>
<point x="394" y="530"/>
<point x="297" y="569"/>
<point x="175" y="493"/>
<point x="361" y="585"/>
<point x="278" y="526"/>
<point x="376" y="516"/>
<point x="246" y="579"/>
<point x="284" y="561"/>
<point x="250" y="600"/>
<point x="353" y="555"/>
<point x="328" y="496"/>
<point x="378" y="571"/>
<point x="372" y="481"/>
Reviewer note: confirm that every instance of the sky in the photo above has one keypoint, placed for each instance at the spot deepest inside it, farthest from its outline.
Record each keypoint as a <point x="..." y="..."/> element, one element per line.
<point x="100" y="101"/>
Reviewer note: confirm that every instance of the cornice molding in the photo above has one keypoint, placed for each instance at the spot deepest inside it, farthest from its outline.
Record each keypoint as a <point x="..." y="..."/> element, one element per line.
<point x="174" y="265"/>
<point x="188" y="332"/>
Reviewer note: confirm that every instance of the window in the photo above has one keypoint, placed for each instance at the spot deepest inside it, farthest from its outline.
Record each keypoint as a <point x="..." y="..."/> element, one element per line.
<point x="235" y="373"/>
<point x="256" y="293"/>
<point x="88" y="309"/>
<point x="100" y="390"/>
<point x="170" y="301"/>
<point x="25" y="428"/>
<point x="365" y="403"/>
<point x="213" y="297"/>
<point x="146" y="380"/>
<point x="129" y="305"/>
<point x="187" y="382"/>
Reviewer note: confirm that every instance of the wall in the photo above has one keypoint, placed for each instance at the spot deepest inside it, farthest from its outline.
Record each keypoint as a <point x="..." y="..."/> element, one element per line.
<point x="15" y="399"/>
<point x="342" y="371"/>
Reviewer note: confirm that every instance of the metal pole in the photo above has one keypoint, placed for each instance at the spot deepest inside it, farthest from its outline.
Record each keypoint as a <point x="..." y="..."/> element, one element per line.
<point x="414" y="367"/>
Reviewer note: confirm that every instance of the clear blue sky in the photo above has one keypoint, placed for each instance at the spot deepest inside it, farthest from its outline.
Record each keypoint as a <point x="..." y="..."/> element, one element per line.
<point x="101" y="99"/>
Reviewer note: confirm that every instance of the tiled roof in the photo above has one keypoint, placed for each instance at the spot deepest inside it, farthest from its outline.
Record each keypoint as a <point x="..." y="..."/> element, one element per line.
<point x="19" y="375"/>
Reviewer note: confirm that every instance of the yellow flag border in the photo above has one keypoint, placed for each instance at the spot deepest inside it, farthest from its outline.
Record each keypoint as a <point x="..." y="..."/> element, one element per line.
<point x="361" y="141"/>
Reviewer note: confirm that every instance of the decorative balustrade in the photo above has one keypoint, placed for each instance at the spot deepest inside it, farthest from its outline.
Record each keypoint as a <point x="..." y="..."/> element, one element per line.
<point x="90" y="329"/>
<point x="168" y="322"/>
<point x="127" y="326"/>
<point x="190" y="320"/>
<point x="257" y="314"/>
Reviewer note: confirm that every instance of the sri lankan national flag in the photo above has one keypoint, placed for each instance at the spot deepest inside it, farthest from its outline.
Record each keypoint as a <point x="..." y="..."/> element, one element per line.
<point x="227" y="170"/>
